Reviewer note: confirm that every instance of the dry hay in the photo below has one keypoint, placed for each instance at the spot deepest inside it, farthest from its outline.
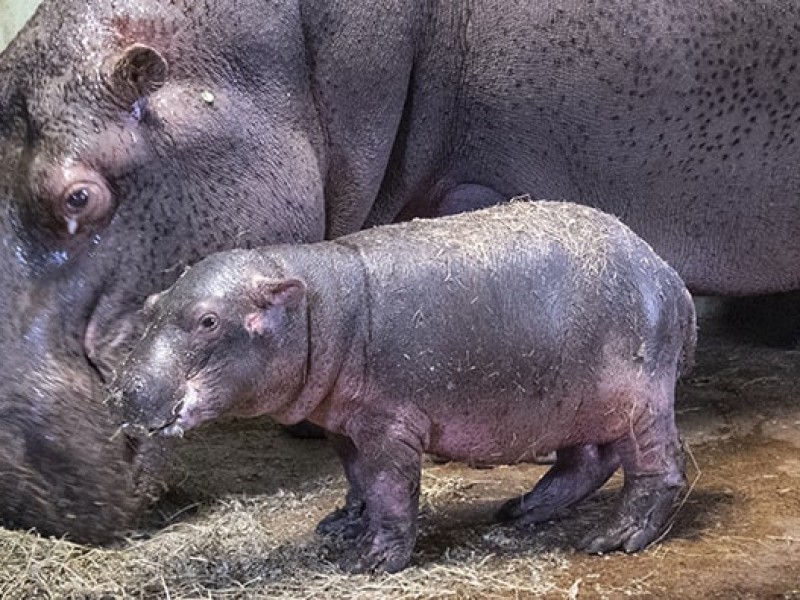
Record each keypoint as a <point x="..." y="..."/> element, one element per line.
<point x="252" y="547"/>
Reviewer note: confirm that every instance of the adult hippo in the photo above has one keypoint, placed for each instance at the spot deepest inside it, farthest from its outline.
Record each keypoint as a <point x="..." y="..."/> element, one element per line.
<point x="136" y="137"/>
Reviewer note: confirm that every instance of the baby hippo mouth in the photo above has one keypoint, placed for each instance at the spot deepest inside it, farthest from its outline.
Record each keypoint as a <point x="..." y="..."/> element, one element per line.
<point x="170" y="428"/>
<point x="181" y="416"/>
<point x="173" y="427"/>
<point x="138" y="423"/>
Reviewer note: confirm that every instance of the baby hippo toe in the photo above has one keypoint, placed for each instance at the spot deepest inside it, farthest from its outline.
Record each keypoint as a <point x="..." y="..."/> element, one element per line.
<point x="641" y="516"/>
<point x="627" y="536"/>
<point x="377" y="553"/>
<point x="348" y="522"/>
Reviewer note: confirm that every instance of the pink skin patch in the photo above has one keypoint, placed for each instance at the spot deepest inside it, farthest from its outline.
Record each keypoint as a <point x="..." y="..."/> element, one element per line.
<point x="189" y="413"/>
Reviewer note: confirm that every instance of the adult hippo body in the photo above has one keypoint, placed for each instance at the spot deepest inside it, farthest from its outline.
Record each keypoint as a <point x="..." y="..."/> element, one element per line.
<point x="136" y="137"/>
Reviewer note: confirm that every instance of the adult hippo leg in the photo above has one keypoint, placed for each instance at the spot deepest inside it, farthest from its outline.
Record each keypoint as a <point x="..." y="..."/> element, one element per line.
<point x="577" y="472"/>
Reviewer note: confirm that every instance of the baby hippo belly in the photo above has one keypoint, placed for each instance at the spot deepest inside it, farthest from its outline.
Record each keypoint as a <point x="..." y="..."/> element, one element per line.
<point x="518" y="431"/>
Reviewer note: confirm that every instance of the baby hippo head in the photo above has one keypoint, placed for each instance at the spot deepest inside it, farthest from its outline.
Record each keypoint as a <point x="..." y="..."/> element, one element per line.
<point x="228" y="339"/>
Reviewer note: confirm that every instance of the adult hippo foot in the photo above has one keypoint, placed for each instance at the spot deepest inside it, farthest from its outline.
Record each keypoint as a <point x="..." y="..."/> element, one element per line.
<point x="387" y="551"/>
<point x="348" y="522"/>
<point x="641" y="515"/>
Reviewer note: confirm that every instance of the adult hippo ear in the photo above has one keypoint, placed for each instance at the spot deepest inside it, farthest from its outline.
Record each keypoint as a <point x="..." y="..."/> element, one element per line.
<point x="273" y="299"/>
<point x="138" y="72"/>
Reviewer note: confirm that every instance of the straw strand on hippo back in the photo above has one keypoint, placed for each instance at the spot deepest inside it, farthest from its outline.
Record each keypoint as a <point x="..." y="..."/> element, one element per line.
<point x="488" y="337"/>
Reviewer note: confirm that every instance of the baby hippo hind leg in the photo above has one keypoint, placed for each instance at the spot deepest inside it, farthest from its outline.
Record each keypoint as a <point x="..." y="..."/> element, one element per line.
<point x="577" y="472"/>
<point x="653" y="463"/>
<point x="351" y="520"/>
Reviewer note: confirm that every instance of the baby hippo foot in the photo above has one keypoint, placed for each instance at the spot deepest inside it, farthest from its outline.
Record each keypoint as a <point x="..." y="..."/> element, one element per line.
<point x="386" y="551"/>
<point x="641" y="515"/>
<point x="348" y="522"/>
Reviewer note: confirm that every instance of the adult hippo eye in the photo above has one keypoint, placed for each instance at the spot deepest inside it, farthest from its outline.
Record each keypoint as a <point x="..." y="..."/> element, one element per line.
<point x="85" y="203"/>
<point x="81" y="197"/>
<point x="78" y="200"/>
<point x="209" y="322"/>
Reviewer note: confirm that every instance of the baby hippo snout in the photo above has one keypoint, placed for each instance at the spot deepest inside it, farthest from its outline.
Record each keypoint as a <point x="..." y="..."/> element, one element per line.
<point x="144" y="404"/>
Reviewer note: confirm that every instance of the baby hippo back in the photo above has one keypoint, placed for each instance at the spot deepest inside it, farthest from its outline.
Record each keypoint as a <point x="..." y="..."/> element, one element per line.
<point x="510" y="299"/>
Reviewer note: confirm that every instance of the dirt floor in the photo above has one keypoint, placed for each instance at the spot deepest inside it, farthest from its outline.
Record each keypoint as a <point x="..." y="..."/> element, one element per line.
<point x="240" y="522"/>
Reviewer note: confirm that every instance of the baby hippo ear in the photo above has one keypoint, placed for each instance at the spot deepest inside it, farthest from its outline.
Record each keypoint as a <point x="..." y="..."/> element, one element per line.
<point x="138" y="72"/>
<point x="273" y="299"/>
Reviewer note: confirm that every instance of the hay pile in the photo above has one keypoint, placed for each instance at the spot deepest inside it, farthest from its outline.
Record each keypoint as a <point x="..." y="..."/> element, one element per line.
<point x="251" y="545"/>
<point x="243" y="548"/>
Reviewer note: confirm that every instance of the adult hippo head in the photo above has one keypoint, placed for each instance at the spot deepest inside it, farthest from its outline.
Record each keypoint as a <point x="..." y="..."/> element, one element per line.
<point x="131" y="144"/>
<point x="138" y="136"/>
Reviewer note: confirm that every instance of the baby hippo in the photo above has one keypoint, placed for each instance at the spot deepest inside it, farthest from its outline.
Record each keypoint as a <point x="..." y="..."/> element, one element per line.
<point x="489" y="337"/>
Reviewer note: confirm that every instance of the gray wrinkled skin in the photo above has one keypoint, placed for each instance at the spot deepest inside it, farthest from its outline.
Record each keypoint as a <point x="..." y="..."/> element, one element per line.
<point x="488" y="337"/>
<point x="198" y="126"/>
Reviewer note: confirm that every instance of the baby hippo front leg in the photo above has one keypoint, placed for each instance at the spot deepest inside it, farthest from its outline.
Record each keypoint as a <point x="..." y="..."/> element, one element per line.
<point x="351" y="520"/>
<point x="384" y="471"/>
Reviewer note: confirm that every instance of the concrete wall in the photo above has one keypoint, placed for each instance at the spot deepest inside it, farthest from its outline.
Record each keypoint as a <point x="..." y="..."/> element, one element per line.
<point x="13" y="15"/>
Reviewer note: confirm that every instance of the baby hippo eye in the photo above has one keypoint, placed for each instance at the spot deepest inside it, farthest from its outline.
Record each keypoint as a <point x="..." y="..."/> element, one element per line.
<point x="209" y="322"/>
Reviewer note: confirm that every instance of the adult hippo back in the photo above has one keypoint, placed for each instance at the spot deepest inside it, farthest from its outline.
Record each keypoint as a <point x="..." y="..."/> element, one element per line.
<point x="136" y="137"/>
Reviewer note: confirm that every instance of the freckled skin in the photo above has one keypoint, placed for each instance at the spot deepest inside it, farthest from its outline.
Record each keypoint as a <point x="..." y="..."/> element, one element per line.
<point x="202" y="126"/>
<point x="488" y="337"/>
